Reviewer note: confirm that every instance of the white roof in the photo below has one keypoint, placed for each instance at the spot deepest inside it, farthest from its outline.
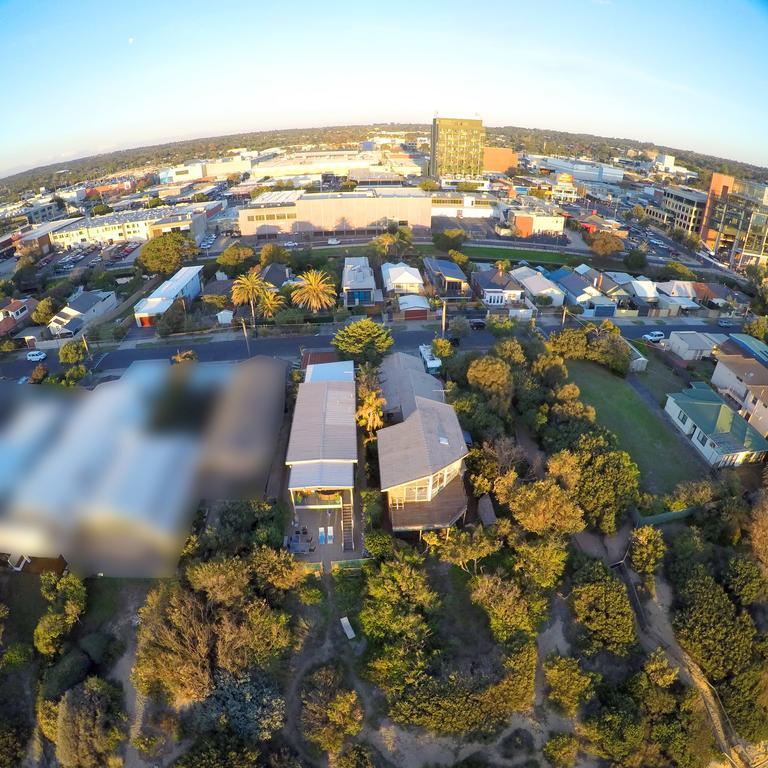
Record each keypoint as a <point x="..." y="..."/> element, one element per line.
<point x="410" y="301"/>
<point x="343" y="370"/>
<point x="166" y="293"/>
<point x="357" y="273"/>
<point x="693" y="339"/>
<point x="677" y="288"/>
<point x="645" y="289"/>
<point x="523" y="273"/>
<point x="400" y="273"/>
<point x="537" y="284"/>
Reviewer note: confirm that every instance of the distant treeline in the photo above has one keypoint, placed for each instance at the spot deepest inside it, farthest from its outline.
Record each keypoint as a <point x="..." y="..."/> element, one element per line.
<point x="531" y="140"/>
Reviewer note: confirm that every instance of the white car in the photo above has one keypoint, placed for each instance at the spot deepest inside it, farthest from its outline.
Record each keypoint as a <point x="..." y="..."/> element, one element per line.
<point x="291" y="244"/>
<point x="654" y="336"/>
<point x="36" y="355"/>
<point x="334" y="241"/>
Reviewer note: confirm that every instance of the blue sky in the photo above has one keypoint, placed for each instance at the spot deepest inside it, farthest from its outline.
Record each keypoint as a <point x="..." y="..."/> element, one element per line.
<point x="84" y="77"/>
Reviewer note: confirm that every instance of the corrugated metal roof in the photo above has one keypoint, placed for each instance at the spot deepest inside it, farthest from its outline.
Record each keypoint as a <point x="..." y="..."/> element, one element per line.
<point x="427" y="441"/>
<point x="322" y="474"/>
<point x="324" y="423"/>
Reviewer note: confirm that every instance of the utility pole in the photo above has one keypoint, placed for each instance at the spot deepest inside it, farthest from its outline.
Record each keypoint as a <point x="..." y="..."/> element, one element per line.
<point x="245" y="335"/>
<point x="442" y="320"/>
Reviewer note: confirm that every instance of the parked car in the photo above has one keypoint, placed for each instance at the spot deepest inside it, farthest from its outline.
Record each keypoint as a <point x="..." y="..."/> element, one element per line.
<point x="654" y="336"/>
<point x="36" y="355"/>
<point x="291" y="244"/>
<point x="724" y="322"/>
<point x="455" y="341"/>
<point x="334" y="241"/>
<point x="477" y="324"/>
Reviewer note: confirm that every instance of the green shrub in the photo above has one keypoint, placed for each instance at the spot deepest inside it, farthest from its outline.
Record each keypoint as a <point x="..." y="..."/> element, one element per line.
<point x="71" y="669"/>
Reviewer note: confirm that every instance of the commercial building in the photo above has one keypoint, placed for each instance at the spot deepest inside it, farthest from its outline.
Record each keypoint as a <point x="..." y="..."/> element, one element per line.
<point x="35" y="210"/>
<point x="736" y="219"/>
<point x="535" y="219"/>
<point x="141" y="224"/>
<point x="375" y="177"/>
<point x="715" y="430"/>
<point x="472" y="205"/>
<point x="333" y="163"/>
<point x="498" y="159"/>
<point x="457" y="148"/>
<point x="367" y="212"/>
<point x="82" y="310"/>
<point x="185" y="284"/>
<point x="679" y="207"/>
<point x="581" y="170"/>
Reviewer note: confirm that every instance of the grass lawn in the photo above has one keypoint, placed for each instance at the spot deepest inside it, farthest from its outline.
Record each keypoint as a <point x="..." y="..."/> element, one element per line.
<point x="661" y="456"/>
<point x="658" y="377"/>
<point x="21" y="593"/>
<point x="106" y="598"/>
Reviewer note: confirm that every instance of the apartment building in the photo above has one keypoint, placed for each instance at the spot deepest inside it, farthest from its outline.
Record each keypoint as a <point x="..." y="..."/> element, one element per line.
<point x="367" y="212"/>
<point x="736" y="219"/>
<point x="457" y="148"/>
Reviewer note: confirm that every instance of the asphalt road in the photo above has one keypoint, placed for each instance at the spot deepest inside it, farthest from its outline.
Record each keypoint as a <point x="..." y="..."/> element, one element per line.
<point x="288" y="347"/>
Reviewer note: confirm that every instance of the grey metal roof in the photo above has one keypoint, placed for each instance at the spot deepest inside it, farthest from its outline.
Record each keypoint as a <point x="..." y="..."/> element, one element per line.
<point x="324" y="426"/>
<point x="402" y="378"/>
<point x="428" y="440"/>
<point x="86" y="300"/>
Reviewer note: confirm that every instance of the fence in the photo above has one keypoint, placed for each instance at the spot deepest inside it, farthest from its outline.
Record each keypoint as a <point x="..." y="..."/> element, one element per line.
<point x="662" y="517"/>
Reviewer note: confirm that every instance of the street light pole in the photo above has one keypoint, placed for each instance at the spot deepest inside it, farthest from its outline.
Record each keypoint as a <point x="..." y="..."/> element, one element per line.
<point x="245" y="335"/>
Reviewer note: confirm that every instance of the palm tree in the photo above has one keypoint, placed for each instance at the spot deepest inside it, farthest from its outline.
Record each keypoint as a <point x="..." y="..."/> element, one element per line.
<point x="316" y="291"/>
<point x="502" y="265"/>
<point x="370" y="412"/>
<point x="248" y="289"/>
<point x="270" y="303"/>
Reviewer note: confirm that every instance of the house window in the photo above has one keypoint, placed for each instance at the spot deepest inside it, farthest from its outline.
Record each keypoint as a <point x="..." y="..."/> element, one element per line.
<point x="682" y="417"/>
<point x="702" y="438"/>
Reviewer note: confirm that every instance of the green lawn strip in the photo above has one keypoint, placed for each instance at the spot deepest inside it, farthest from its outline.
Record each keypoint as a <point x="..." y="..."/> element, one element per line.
<point x="658" y="377"/>
<point x="651" y="442"/>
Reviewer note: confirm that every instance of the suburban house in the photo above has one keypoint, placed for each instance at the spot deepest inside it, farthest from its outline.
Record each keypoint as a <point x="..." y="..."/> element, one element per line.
<point x="276" y="275"/>
<point x="745" y="381"/>
<point x="537" y="286"/>
<point x="447" y="279"/>
<point x="643" y="288"/>
<point x="692" y="345"/>
<point x="358" y="283"/>
<point x="82" y="310"/>
<point x="719" y="296"/>
<point x="184" y="285"/>
<point x="497" y="289"/>
<point x="401" y="279"/>
<point x="677" y="296"/>
<point x="102" y="489"/>
<point x="603" y="282"/>
<point x="243" y="429"/>
<point x="322" y="451"/>
<point x="15" y="314"/>
<point x="715" y="429"/>
<point x="580" y="291"/>
<point x="421" y="456"/>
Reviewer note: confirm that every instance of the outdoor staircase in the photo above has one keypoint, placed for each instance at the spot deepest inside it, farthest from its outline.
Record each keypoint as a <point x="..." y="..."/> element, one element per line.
<point x="347" y="527"/>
